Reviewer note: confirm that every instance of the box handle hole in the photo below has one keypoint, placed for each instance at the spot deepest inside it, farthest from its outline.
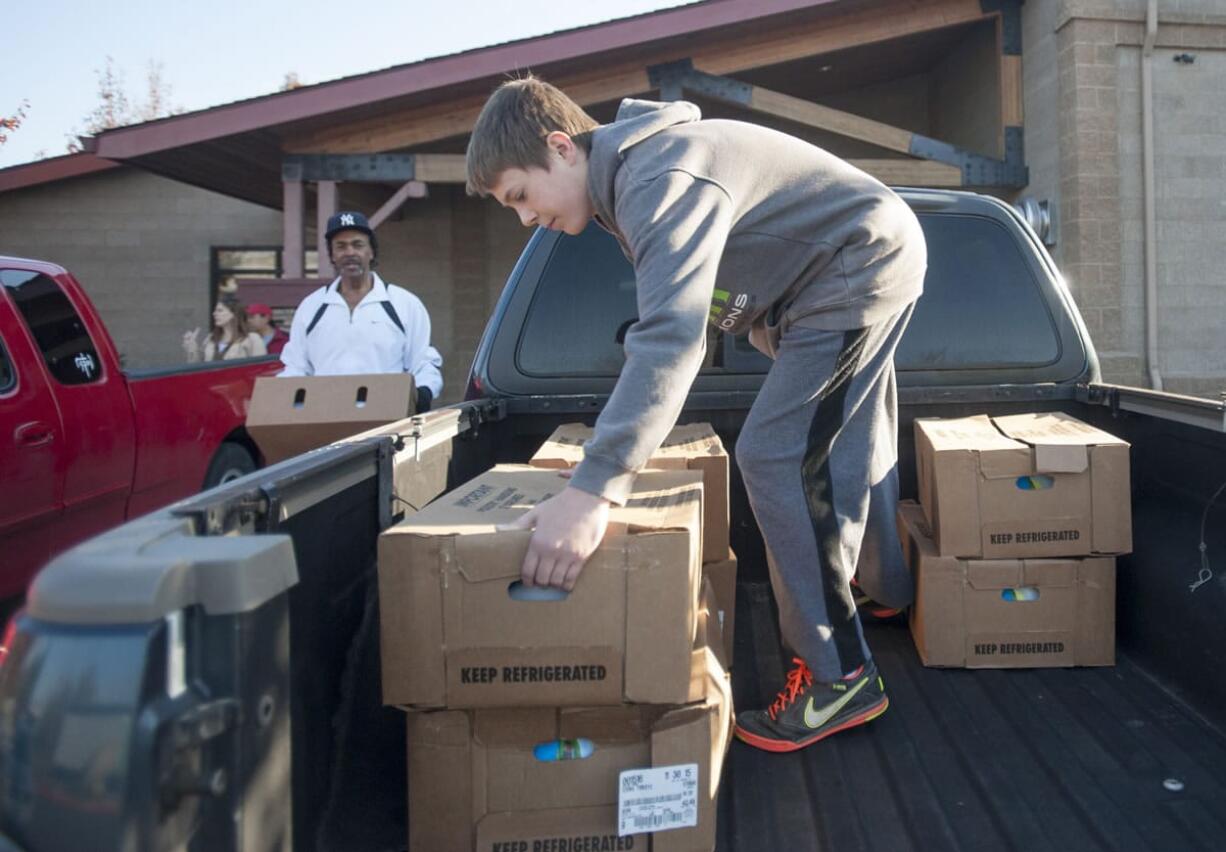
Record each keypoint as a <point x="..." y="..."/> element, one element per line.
<point x="518" y="591"/>
<point x="360" y="400"/>
<point x="299" y="397"/>
<point x="1020" y="594"/>
<point x="580" y="748"/>
<point x="1038" y="482"/>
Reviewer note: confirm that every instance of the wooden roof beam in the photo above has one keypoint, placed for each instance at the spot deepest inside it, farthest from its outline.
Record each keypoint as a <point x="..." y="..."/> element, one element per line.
<point x="977" y="170"/>
<point x="683" y="76"/>
<point x="903" y="172"/>
<point x="375" y="168"/>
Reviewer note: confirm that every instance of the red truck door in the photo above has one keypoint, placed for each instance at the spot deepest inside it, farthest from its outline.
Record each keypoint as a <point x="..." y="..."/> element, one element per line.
<point x="97" y="453"/>
<point x="31" y="481"/>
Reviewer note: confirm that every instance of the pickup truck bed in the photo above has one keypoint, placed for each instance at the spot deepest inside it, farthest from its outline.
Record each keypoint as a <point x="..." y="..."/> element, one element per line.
<point x="1028" y="759"/>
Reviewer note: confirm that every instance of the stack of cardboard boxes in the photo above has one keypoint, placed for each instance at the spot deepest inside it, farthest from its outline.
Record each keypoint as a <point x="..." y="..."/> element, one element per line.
<point x="539" y="719"/>
<point x="1013" y="542"/>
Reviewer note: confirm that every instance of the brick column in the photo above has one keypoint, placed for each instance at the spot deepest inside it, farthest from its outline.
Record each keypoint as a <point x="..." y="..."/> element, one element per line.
<point x="471" y="305"/>
<point x="1090" y="230"/>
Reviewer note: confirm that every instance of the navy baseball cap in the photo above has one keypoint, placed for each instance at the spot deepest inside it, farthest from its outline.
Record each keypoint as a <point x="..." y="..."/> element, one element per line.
<point x="349" y="220"/>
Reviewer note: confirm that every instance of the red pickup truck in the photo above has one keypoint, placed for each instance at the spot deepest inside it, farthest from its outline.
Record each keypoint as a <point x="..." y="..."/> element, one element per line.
<point x="84" y="445"/>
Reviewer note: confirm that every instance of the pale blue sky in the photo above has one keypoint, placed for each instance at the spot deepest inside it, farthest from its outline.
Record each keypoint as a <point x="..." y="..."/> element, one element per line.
<point x="219" y="51"/>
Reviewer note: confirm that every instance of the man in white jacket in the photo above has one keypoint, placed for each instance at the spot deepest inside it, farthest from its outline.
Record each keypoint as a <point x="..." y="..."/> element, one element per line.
<point x="360" y="324"/>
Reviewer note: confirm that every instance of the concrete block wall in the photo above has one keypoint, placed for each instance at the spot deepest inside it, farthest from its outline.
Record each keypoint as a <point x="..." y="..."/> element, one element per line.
<point x="140" y="246"/>
<point x="1100" y="187"/>
<point x="1041" y="110"/>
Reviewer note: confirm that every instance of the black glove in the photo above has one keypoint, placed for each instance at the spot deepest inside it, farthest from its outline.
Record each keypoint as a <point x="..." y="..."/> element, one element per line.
<point x="424" y="398"/>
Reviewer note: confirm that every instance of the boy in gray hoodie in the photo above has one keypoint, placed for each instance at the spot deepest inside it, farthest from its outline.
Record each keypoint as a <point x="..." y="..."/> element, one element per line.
<point x="753" y="231"/>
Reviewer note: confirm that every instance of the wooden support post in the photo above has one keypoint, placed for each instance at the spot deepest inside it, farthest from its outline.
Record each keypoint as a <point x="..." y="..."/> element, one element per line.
<point x="325" y="206"/>
<point x="291" y="223"/>
<point x="411" y="189"/>
<point x="1011" y="114"/>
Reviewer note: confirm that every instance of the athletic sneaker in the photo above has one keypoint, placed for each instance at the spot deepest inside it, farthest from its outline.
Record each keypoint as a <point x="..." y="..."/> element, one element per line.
<point x="868" y="608"/>
<point x="807" y="711"/>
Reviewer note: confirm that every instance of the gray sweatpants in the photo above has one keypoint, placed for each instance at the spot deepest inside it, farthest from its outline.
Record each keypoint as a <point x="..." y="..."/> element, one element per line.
<point x="819" y="457"/>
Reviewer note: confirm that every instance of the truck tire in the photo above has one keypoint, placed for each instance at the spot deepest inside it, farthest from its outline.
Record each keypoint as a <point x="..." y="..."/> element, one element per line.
<point x="229" y="462"/>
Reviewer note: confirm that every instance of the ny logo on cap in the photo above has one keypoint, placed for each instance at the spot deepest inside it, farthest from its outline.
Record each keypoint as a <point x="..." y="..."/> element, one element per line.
<point x="347" y="219"/>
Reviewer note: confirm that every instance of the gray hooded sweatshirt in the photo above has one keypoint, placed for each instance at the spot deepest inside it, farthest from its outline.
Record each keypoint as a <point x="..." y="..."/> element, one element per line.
<point x="743" y="227"/>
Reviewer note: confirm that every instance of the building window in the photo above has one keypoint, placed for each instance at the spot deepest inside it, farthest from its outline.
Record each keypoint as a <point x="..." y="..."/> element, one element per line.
<point x="230" y="263"/>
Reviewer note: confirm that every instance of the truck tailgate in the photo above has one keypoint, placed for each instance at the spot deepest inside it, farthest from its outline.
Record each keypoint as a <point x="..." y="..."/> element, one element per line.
<point x="1024" y="759"/>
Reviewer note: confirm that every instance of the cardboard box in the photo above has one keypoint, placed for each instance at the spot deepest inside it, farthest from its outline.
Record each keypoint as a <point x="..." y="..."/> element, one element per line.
<point x="291" y="415"/>
<point x="1025" y="485"/>
<point x="474" y="782"/>
<point x="452" y="636"/>
<point x="694" y="446"/>
<point x="722" y="576"/>
<point x="1007" y="613"/>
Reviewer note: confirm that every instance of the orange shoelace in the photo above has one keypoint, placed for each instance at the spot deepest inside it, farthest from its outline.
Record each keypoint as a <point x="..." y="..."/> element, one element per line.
<point x="798" y="678"/>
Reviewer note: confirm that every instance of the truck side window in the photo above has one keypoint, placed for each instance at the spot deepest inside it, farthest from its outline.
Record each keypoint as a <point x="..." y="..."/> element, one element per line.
<point x="55" y="325"/>
<point x="8" y="376"/>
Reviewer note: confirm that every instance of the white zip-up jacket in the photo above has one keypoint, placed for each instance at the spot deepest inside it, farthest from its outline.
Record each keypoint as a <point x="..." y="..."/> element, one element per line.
<point x="364" y="341"/>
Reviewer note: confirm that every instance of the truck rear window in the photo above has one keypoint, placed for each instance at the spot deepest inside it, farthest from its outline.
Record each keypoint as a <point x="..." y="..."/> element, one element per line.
<point x="982" y="307"/>
<point x="55" y="325"/>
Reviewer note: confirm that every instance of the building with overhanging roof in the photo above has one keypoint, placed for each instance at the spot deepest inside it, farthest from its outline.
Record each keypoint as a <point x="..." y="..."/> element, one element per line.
<point x="1044" y="104"/>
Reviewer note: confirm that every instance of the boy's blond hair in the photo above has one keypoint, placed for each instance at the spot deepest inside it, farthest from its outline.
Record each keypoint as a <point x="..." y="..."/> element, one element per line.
<point x="511" y="129"/>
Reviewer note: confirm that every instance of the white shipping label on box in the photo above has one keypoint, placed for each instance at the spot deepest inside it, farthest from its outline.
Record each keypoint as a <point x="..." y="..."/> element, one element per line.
<point x="657" y="799"/>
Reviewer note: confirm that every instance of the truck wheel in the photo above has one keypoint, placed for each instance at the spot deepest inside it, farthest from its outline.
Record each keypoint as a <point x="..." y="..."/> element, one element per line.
<point x="229" y="462"/>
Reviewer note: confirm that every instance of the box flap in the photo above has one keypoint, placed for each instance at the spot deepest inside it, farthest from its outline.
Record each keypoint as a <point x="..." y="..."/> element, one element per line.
<point x="441" y="783"/>
<point x="1053" y="428"/>
<point x="483" y="557"/>
<point x="499" y="496"/>
<point x="994" y="573"/>
<point x="1006" y="463"/>
<point x="1096" y="612"/>
<point x="564" y="448"/>
<point x="624" y="723"/>
<point x="517" y="726"/>
<point x="1112" y="499"/>
<point x="964" y="433"/>
<point x="662" y="500"/>
<point x="409" y="637"/>
<point x="1015" y="573"/>
<point x="1060" y="458"/>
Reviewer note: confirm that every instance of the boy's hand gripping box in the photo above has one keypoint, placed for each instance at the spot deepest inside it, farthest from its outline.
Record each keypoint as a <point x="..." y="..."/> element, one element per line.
<point x="456" y="633"/>
<point x="693" y="446"/>
<point x="1025" y="485"/>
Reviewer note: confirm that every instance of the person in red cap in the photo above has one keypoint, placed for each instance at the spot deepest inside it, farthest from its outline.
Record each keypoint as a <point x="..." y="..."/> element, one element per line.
<point x="259" y="320"/>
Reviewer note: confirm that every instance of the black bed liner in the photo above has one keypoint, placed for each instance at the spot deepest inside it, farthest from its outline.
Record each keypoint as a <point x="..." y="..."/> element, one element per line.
<point x="1031" y="759"/>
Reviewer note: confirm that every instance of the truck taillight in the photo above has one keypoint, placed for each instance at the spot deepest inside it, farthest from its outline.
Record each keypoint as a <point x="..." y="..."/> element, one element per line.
<point x="10" y="633"/>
